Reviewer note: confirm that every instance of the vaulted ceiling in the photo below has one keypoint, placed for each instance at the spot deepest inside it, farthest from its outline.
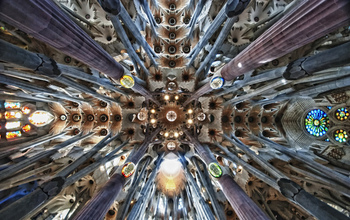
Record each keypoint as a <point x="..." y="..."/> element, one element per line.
<point x="174" y="109"/>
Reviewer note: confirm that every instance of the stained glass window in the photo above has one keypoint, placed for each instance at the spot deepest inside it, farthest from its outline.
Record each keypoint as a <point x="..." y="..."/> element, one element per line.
<point x="40" y="118"/>
<point x="12" y="105"/>
<point x="13" y="134"/>
<point x="340" y="135"/>
<point x="12" y="125"/>
<point x="13" y="114"/>
<point x="317" y="122"/>
<point x="26" y="128"/>
<point x="128" y="169"/>
<point x="26" y="110"/>
<point x="215" y="170"/>
<point x="342" y="114"/>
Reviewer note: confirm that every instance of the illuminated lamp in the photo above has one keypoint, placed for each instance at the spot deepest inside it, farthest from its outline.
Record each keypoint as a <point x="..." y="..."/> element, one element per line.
<point x="171" y="145"/>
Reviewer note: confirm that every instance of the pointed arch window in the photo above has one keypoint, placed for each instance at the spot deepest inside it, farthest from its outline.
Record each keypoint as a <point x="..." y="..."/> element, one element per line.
<point x="10" y="125"/>
<point x="12" y="105"/>
<point x="40" y="118"/>
<point x="13" y="134"/>
<point x="13" y="114"/>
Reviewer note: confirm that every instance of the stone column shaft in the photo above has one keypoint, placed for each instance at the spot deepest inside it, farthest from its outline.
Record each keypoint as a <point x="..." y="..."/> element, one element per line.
<point x="44" y="20"/>
<point x="244" y="207"/>
<point x="98" y="206"/>
<point x="308" y="21"/>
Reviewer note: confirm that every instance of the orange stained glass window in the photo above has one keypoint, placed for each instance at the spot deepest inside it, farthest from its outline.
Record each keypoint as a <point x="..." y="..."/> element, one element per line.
<point x="26" y="128"/>
<point x="13" y="134"/>
<point x="26" y="110"/>
<point x="13" y="114"/>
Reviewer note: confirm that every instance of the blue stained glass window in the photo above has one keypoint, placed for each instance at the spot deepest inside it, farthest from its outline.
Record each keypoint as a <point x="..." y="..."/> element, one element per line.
<point x="12" y="105"/>
<point x="317" y="122"/>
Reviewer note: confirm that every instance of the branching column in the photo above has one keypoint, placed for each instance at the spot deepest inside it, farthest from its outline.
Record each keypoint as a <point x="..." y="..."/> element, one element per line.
<point x="45" y="21"/>
<point x="244" y="207"/>
<point x="308" y="21"/>
<point x="98" y="206"/>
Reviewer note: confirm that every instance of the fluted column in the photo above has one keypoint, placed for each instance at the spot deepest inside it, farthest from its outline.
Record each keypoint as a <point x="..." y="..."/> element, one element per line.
<point x="98" y="206"/>
<point x="308" y="21"/>
<point x="244" y="207"/>
<point x="45" y="21"/>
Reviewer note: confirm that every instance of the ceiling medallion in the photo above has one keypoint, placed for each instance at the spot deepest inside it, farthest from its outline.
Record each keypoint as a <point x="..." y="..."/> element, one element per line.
<point x="128" y="169"/>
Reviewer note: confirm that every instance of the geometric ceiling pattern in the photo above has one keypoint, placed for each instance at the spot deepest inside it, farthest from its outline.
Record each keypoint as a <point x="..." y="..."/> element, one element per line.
<point x="174" y="109"/>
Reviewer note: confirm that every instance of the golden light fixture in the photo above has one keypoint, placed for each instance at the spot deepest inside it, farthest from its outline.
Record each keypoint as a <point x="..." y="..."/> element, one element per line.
<point x="153" y="121"/>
